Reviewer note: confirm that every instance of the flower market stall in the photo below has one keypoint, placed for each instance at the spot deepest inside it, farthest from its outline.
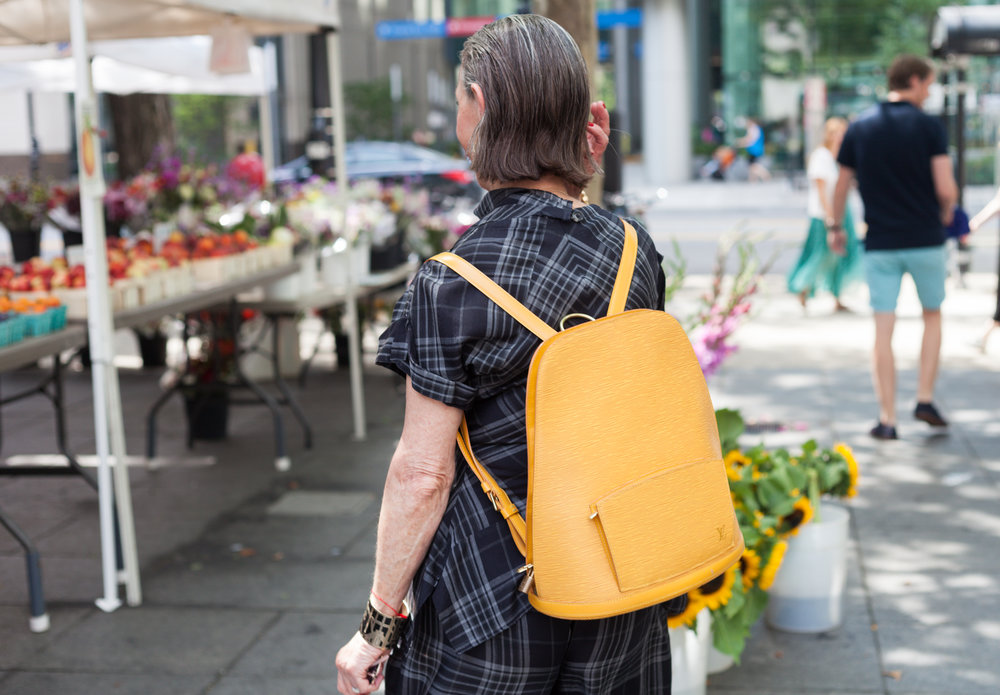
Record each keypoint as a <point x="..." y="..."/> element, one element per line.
<point x="49" y="21"/>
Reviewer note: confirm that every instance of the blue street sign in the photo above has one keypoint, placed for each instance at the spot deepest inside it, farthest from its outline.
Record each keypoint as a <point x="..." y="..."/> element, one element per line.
<point x="630" y="18"/>
<point x="395" y="30"/>
<point x="401" y="29"/>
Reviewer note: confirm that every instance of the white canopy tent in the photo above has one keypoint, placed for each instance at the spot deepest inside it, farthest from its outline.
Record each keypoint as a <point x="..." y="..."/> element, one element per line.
<point x="173" y="65"/>
<point x="40" y="22"/>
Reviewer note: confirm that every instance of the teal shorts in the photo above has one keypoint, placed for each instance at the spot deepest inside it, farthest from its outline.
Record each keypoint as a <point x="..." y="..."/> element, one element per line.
<point x="885" y="269"/>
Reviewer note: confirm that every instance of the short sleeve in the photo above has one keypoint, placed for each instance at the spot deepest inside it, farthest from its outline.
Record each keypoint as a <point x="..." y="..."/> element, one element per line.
<point x="939" y="138"/>
<point x="818" y="167"/>
<point x="426" y="338"/>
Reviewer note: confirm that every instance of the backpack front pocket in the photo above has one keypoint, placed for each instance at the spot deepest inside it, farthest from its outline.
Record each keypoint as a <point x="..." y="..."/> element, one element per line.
<point x="668" y="526"/>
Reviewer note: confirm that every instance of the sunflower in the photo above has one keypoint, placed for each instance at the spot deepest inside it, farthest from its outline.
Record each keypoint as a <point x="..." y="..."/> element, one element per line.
<point x="736" y="457"/>
<point x="852" y="468"/>
<point x="773" y="564"/>
<point x="718" y="591"/>
<point x="749" y="567"/>
<point x="689" y="615"/>
<point x="734" y="464"/>
<point x="801" y="513"/>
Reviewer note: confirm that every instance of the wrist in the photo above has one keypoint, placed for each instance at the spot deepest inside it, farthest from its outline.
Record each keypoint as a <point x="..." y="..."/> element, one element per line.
<point x="380" y="630"/>
<point x="386" y="608"/>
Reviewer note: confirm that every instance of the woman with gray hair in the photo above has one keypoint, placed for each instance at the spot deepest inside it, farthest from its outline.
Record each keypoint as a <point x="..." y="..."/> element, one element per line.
<point x="444" y="610"/>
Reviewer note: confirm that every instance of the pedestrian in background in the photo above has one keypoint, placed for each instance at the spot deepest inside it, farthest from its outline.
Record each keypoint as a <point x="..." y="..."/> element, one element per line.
<point x="899" y="156"/>
<point x="977" y="221"/>
<point x="523" y="109"/>
<point x="753" y="142"/>
<point x="819" y="268"/>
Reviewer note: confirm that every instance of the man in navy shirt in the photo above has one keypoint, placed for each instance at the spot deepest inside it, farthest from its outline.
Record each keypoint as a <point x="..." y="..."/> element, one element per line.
<point x="899" y="156"/>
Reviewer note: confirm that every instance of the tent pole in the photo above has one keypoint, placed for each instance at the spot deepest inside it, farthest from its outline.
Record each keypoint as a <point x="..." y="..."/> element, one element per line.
<point x="266" y="110"/>
<point x="107" y="405"/>
<point x="340" y="167"/>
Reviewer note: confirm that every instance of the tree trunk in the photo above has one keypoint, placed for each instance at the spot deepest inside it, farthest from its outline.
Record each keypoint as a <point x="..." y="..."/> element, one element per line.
<point x="141" y="122"/>
<point x="578" y="18"/>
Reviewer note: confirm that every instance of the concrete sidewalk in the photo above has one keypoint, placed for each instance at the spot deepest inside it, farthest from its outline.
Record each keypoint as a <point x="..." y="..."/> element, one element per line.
<point x="253" y="579"/>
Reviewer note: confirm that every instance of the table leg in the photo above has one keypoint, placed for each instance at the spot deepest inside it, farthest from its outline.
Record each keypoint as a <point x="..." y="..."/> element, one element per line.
<point x="39" y="620"/>
<point x="151" y="420"/>
<point x="282" y="386"/>
<point x="281" y="460"/>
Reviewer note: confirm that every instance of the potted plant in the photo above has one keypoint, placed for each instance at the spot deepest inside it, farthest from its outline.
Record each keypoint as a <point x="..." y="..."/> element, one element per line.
<point x="23" y="209"/>
<point x="776" y="495"/>
<point x="808" y="592"/>
<point x="208" y="375"/>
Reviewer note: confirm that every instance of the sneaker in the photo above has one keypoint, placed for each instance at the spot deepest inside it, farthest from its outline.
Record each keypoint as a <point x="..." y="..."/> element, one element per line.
<point x="929" y="414"/>
<point x="883" y="431"/>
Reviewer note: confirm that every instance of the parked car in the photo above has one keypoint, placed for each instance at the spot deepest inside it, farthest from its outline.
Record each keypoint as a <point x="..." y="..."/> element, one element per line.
<point x="404" y="162"/>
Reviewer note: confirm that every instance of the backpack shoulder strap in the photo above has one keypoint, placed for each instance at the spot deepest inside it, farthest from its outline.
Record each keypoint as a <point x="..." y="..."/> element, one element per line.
<point x="495" y="493"/>
<point x="497" y="294"/>
<point x="619" y="295"/>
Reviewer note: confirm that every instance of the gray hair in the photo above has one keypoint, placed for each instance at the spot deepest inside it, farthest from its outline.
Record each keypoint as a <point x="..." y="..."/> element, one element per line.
<point x="537" y="94"/>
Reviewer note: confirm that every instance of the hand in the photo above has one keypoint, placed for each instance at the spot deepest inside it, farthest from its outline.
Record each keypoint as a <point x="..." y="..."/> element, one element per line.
<point x="837" y="241"/>
<point x="598" y="130"/>
<point x="354" y="660"/>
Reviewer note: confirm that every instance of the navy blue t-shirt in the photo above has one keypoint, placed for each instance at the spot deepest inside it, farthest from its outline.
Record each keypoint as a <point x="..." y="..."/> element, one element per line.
<point x="890" y="148"/>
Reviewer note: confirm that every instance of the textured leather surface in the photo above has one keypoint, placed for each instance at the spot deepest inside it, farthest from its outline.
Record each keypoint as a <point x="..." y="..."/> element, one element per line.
<point x="628" y="501"/>
<point x="620" y="423"/>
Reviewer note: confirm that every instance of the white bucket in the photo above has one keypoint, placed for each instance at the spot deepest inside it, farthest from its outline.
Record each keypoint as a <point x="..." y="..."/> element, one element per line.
<point x="689" y="656"/>
<point x="718" y="661"/>
<point x="808" y="591"/>
<point x="353" y="262"/>
<point x="294" y="286"/>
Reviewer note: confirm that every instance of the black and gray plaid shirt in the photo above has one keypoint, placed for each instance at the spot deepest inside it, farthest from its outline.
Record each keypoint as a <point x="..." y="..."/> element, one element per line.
<point x="459" y="348"/>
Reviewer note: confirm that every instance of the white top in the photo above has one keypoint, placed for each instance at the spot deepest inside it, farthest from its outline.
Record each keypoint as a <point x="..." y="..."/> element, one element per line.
<point x="822" y="166"/>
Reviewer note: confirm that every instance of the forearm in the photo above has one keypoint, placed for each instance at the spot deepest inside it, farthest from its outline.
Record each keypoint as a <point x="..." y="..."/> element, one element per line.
<point x="840" y="192"/>
<point x="825" y="200"/>
<point x="413" y="504"/>
<point x="947" y="199"/>
<point x="983" y="216"/>
<point x="945" y="188"/>
<point x="416" y="493"/>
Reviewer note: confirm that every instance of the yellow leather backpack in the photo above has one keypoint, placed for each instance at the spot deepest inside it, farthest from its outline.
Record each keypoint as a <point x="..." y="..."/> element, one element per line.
<point x="628" y="500"/>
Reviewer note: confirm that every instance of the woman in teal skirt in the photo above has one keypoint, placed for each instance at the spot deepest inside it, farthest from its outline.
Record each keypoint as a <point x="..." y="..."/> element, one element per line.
<point x="819" y="268"/>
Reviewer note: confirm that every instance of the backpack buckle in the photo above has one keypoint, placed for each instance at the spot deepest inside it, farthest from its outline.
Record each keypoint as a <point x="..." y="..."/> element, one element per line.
<point x="494" y="499"/>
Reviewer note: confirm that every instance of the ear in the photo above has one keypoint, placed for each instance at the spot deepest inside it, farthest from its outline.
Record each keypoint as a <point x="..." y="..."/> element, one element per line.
<point x="477" y="93"/>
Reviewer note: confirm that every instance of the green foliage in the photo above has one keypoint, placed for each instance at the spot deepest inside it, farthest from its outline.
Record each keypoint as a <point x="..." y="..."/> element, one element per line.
<point x="731" y="426"/>
<point x="200" y="123"/>
<point x="774" y="492"/>
<point x="839" y="31"/>
<point x="906" y="28"/>
<point x="675" y="270"/>
<point x="979" y="168"/>
<point x="370" y="108"/>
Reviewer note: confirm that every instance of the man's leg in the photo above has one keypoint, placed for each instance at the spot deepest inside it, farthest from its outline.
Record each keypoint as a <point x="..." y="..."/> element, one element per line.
<point x="884" y="274"/>
<point x="884" y="368"/>
<point x="930" y="353"/>
<point x="928" y="266"/>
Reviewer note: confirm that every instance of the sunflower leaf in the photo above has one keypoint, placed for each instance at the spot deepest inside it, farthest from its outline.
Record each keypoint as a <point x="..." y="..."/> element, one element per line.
<point x="731" y="426"/>
<point x="729" y="634"/>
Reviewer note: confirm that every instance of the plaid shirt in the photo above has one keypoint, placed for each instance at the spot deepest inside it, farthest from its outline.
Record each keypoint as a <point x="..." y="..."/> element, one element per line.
<point x="459" y="348"/>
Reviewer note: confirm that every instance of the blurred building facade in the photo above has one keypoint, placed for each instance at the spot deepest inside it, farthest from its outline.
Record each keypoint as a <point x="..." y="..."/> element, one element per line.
<point x="682" y="75"/>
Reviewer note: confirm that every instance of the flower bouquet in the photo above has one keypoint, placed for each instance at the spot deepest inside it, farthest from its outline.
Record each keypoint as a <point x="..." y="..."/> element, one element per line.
<point x="721" y="309"/>
<point x="774" y="493"/>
